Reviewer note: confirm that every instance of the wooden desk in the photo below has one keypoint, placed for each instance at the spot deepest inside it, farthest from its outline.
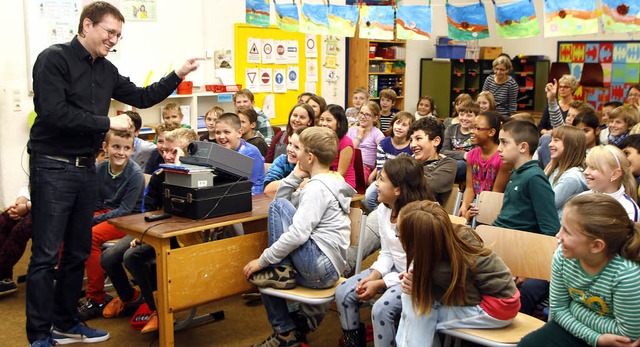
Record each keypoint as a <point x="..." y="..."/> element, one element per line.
<point x="201" y="273"/>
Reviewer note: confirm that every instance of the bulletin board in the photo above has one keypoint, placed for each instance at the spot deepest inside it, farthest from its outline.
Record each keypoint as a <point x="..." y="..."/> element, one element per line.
<point x="620" y="61"/>
<point x="283" y="101"/>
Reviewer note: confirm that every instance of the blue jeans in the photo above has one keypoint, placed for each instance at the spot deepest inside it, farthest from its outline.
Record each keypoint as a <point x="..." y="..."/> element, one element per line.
<point x="385" y="313"/>
<point x="64" y="197"/>
<point x="461" y="172"/>
<point x="371" y="197"/>
<point x="314" y="269"/>
<point x="532" y="292"/>
<point x="421" y="330"/>
<point x="544" y="154"/>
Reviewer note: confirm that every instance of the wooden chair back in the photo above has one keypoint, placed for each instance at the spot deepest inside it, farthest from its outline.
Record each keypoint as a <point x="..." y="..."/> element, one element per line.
<point x="450" y="204"/>
<point x="457" y="219"/>
<point x="526" y="254"/>
<point x="489" y="206"/>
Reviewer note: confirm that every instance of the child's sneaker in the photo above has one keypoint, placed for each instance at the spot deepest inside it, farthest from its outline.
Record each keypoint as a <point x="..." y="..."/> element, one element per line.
<point x="7" y="286"/>
<point x="278" y="340"/>
<point x="279" y="277"/>
<point x="117" y="306"/>
<point x="79" y="334"/>
<point x="89" y="309"/>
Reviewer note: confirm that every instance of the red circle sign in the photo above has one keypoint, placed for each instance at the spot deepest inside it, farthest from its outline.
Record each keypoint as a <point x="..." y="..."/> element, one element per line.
<point x="265" y="77"/>
<point x="280" y="49"/>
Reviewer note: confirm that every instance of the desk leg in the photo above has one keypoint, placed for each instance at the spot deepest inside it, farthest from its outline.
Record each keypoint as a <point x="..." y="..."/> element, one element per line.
<point x="165" y="317"/>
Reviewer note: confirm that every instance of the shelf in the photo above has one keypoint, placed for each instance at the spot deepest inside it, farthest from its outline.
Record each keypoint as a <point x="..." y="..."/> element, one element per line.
<point x="386" y="73"/>
<point x="382" y="59"/>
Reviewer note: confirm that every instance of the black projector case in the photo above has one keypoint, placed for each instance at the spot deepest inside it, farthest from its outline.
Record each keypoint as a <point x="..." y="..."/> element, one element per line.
<point x="196" y="203"/>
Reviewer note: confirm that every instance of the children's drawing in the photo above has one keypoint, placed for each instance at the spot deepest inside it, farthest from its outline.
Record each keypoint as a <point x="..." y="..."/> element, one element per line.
<point x="257" y="13"/>
<point x="620" y="15"/>
<point x="467" y="22"/>
<point x="342" y="20"/>
<point x="376" y="22"/>
<point x="570" y="17"/>
<point x="287" y="16"/>
<point x="413" y="22"/>
<point x="517" y="20"/>
<point x="315" y="19"/>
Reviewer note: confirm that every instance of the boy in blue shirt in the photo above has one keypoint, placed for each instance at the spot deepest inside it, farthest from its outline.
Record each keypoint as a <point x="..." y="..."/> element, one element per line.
<point x="229" y="135"/>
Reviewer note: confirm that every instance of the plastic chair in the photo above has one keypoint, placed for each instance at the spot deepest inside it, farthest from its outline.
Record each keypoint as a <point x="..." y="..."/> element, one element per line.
<point x="322" y="296"/>
<point x="489" y="206"/>
<point x="592" y="75"/>
<point x="358" y="167"/>
<point x="453" y="202"/>
<point x="526" y="254"/>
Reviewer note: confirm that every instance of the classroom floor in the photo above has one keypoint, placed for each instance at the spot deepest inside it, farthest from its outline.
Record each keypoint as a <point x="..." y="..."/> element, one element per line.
<point x="244" y="324"/>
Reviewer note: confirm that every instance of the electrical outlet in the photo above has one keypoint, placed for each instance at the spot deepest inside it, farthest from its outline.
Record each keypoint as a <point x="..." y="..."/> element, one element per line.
<point x="17" y="100"/>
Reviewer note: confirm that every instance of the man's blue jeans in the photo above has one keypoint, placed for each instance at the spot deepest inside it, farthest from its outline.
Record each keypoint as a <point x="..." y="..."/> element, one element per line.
<point x="63" y="197"/>
<point x="313" y="267"/>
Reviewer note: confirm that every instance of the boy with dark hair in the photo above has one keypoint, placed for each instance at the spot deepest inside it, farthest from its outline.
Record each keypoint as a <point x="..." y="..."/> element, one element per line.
<point x="312" y="237"/>
<point x="229" y="135"/>
<point x="248" y="120"/>
<point x="427" y="135"/>
<point x="142" y="150"/>
<point x="528" y="199"/>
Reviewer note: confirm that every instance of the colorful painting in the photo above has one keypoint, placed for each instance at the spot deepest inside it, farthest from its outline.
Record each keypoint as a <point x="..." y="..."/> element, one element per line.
<point x="517" y="20"/>
<point x="376" y="22"/>
<point x="570" y="17"/>
<point x="287" y="17"/>
<point x="620" y="15"/>
<point x="258" y="13"/>
<point x="315" y="19"/>
<point x="343" y="20"/>
<point x="467" y="22"/>
<point x="413" y="22"/>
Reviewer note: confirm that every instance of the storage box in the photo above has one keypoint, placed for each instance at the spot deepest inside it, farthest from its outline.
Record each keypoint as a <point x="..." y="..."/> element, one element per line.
<point x="189" y="180"/>
<point x="490" y="52"/>
<point x="185" y="87"/>
<point x="200" y="203"/>
<point x="451" y="51"/>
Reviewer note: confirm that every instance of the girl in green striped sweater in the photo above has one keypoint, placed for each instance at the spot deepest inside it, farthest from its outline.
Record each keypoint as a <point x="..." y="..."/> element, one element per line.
<point x="595" y="278"/>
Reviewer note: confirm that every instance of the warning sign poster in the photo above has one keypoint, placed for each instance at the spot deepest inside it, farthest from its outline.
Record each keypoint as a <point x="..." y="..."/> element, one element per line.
<point x="253" y="51"/>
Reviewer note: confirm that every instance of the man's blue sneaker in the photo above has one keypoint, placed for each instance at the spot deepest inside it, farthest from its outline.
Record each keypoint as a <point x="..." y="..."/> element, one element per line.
<point x="44" y="343"/>
<point x="79" y="334"/>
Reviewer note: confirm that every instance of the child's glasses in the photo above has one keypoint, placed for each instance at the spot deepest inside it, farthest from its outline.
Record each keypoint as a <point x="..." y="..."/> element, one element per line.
<point x="365" y="115"/>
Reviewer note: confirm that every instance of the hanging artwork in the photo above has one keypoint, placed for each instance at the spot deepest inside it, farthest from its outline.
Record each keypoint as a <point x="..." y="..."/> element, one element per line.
<point x="413" y="22"/>
<point x="342" y="20"/>
<point x="517" y="20"/>
<point x="376" y="22"/>
<point x="257" y="13"/>
<point x="287" y="16"/>
<point x="467" y="22"/>
<point x="570" y="17"/>
<point x="620" y="15"/>
<point x="315" y="19"/>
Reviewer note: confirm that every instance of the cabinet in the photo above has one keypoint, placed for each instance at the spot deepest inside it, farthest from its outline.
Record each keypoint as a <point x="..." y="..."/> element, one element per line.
<point x="445" y="79"/>
<point x="199" y="103"/>
<point x="376" y="65"/>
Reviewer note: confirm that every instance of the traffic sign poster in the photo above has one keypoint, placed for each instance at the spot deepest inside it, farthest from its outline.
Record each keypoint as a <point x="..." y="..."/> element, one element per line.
<point x="279" y="80"/>
<point x="311" y="46"/>
<point x="251" y="79"/>
<point x="266" y="80"/>
<point x="312" y="70"/>
<point x="281" y="51"/>
<point x="292" y="51"/>
<point x="268" y="51"/>
<point x="253" y="50"/>
<point x="293" y="78"/>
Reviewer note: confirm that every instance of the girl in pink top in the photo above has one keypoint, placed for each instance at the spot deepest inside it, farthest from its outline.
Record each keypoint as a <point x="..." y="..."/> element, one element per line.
<point x="485" y="169"/>
<point x="366" y="135"/>
<point x="335" y="119"/>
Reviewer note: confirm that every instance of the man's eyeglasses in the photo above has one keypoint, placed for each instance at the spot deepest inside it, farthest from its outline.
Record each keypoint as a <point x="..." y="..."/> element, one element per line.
<point x="365" y="115"/>
<point x="111" y="33"/>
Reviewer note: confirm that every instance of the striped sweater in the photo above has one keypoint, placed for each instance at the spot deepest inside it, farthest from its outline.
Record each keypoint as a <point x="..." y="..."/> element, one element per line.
<point x="590" y="305"/>
<point x="506" y="94"/>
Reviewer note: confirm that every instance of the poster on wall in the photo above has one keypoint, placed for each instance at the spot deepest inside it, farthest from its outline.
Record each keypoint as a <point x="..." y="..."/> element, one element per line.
<point x="258" y="13"/>
<point x="517" y="20"/>
<point x="342" y="20"/>
<point x="139" y="10"/>
<point x="376" y="22"/>
<point x="279" y="80"/>
<point x="570" y="17"/>
<point x="253" y="51"/>
<point x="223" y="61"/>
<point x="312" y="70"/>
<point x="413" y="22"/>
<point x="281" y="51"/>
<point x="265" y="80"/>
<point x="467" y="22"/>
<point x="268" y="51"/>
<point x="293" y="78"/>
<point x="287" y="16"/>
<point x="315" y="19"/>
<point x="251" y="79"/>
<point x="620" y="15"/>
<point x="310" y="46"/>
<point x="292" y="51"/>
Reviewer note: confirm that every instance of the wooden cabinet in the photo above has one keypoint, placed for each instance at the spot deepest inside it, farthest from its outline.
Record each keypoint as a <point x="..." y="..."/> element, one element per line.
<point x="383" y="68"/>
<point x="445" y="79"/>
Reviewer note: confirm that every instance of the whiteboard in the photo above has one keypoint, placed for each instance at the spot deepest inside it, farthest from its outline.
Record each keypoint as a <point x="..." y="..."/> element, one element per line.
<point x="148" y="51"/>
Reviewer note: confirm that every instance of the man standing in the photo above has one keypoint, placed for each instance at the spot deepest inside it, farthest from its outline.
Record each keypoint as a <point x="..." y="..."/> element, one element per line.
<point x="73" y="85"/>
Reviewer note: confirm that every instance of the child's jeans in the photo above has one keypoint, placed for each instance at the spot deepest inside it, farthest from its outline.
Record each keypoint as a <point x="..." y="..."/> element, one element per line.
<point x="371" y="197"/>
<point x="385" y="313"/>
<point x="421" y="330"/>
<point x="313" y="267"/>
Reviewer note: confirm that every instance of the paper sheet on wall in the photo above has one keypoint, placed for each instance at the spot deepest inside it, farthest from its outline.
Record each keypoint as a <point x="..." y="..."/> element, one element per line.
<point x="310" y="87"/>
<point x="292" y="51"/>
<point x="253" y="50"/>
<point x="312" y="70"/>
<point x="293" y="78"/>
<point x="279" y="80"/>
<point x="269" y="106"/>
<point x="267" y="51"/>
<point x="311" y="46"/>
<point x="251" y="79"/>
<point x="266" y="80"/>
<point x="281" y="51"/>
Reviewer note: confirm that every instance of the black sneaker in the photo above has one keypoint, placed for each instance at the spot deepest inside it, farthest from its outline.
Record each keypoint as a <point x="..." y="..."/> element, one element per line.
<point x="89" y="309"/>
<point x="277" y="340"/>
<point x="279" y="277"/>
<point x="7" y="286"/>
